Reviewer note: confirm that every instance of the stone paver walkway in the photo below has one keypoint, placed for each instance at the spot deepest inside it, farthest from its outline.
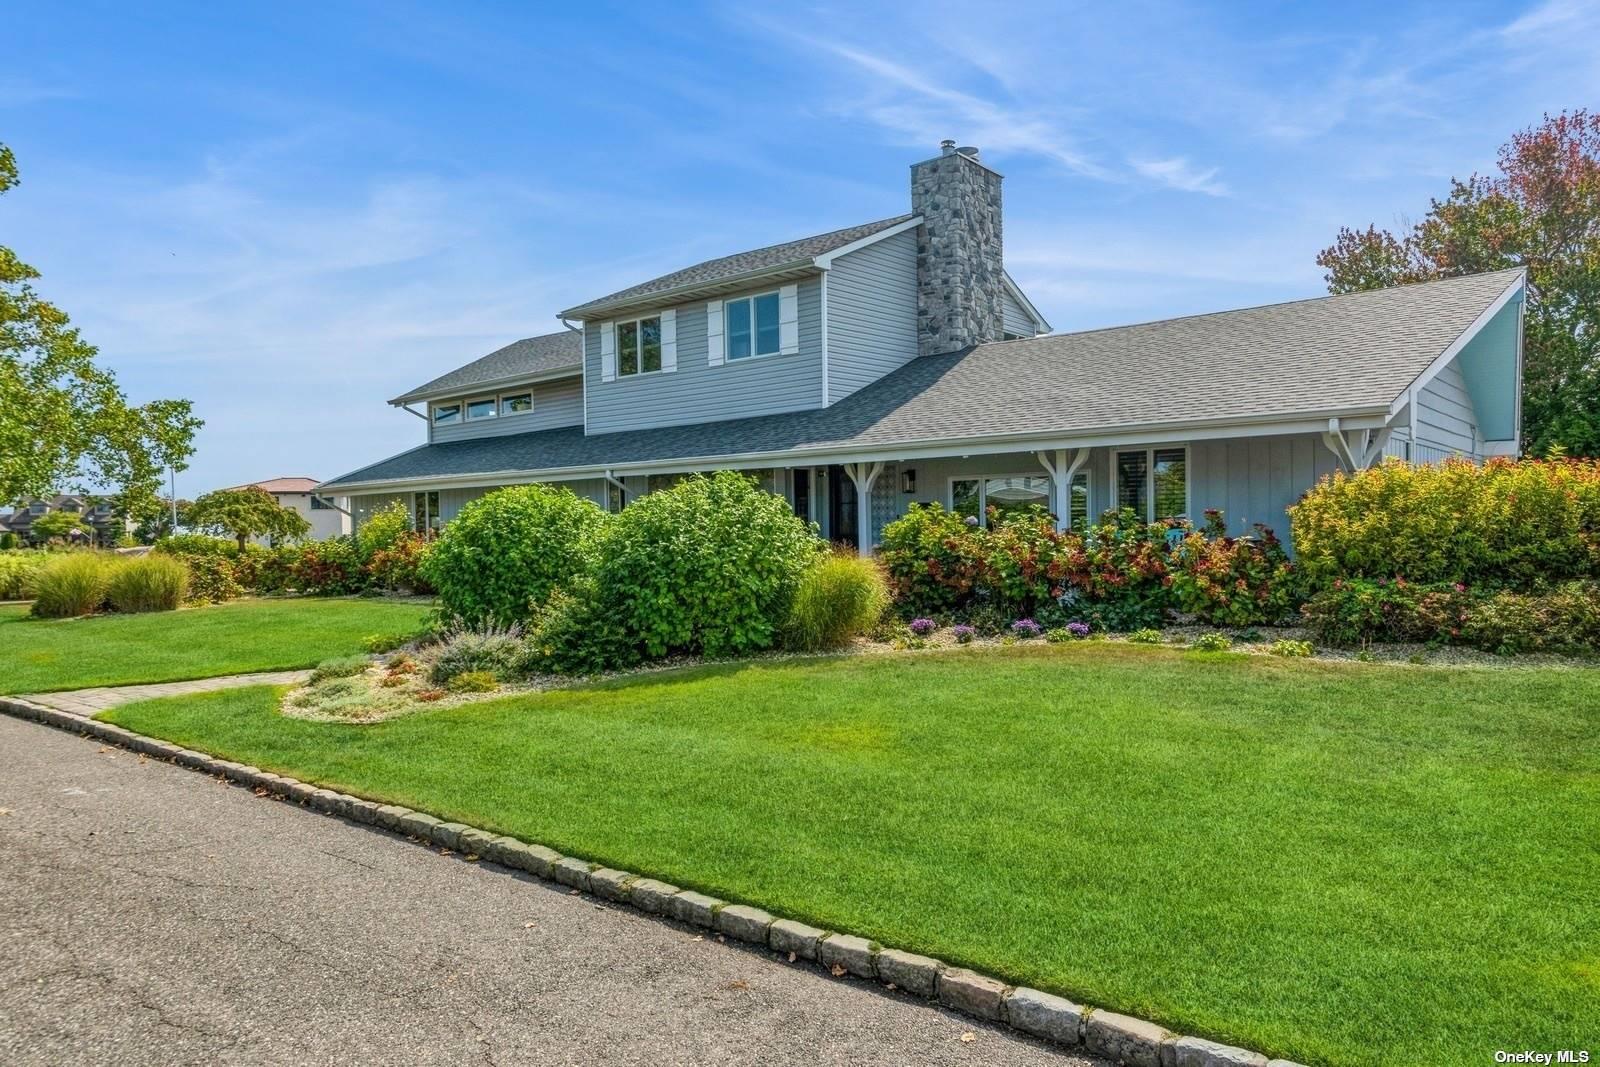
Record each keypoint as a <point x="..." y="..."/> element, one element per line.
<point x="91" y="702"/>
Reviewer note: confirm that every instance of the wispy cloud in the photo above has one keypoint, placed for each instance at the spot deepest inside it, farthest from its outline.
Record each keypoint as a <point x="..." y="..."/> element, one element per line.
<point x="1179" y="173"/>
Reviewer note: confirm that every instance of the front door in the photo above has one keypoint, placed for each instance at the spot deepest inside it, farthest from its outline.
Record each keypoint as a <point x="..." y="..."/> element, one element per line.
<point x="842" y="514"/>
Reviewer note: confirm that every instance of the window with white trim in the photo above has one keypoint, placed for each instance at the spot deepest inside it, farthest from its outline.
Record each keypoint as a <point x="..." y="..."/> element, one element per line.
<point x="751" y="324"/>
<point x="639" y="346"/>
<point x="1154" y="482"/>
<point x="482" y="408"/>
<point x="516" y="403"/>
<point x="446" y="414"/>
<point x="1006" y="493"/>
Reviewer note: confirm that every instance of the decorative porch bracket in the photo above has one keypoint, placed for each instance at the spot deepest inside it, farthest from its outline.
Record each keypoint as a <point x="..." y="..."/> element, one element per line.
<point x="864" y="475"/>
<point x="1356" y="450"/>
<point x="1062" y="465"/>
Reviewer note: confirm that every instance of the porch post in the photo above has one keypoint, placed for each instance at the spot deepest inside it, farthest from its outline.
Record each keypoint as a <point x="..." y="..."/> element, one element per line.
<point x="864" y="476"/>
<point x="1061" y="475"/>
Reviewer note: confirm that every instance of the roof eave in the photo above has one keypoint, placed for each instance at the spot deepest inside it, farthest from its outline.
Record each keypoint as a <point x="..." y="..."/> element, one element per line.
<point x="688" y="291"/>
<point x="489" y="385"/>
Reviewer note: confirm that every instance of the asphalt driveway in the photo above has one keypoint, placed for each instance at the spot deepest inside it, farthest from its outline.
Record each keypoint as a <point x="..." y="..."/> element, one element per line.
<point x="149" y="914"/>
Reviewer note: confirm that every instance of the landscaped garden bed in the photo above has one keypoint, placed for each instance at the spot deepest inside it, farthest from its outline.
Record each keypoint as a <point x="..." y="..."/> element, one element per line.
<point x="1340" y="863"/>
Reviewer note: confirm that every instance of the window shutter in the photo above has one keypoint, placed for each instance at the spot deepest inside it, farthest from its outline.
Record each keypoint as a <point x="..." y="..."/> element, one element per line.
<point x="669" y="340"/>
<point x="608" y="351"/>
<point x="714" y="342"/>
<point x="789" y="320"/>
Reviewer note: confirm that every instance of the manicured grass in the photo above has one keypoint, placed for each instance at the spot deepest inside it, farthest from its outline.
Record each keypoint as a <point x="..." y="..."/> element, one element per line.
<point x="38" y="655"/>
<point x="1337" y="863"/>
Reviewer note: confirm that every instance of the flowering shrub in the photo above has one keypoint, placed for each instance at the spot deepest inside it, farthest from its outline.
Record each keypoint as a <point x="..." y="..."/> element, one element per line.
<point x="963" y="634"/>
<point x="1233" y="581"/>
<point x="328" y="568"/>
<point x="1078" y="630"/>
<point x="401" y="564"/>
<point x="1504" y="524"/>
<point x="922" y="627"/>
<point x="933" y="557"/>
<point x="1026" y="629"/>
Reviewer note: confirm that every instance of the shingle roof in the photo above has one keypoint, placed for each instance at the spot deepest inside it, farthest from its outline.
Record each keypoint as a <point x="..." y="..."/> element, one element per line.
<point x="285" y="485"/>
<point x="742" y="263"/>
<point x="1312" y="358"/>
<point x="529" y="357"/>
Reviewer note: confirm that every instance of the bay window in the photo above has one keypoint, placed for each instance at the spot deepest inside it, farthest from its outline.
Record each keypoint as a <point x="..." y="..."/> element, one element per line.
<point x="1154" y="482"/>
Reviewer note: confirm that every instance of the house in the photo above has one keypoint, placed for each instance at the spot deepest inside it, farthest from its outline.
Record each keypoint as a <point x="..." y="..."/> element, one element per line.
<point x="328" y="515"/>
<point x="859" y="371"/>
<point x="106" y="527"/>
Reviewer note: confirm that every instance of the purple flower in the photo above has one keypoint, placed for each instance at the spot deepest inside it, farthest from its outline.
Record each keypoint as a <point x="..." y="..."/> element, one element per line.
<point x="1078" y="629"/>
<point x="963" y="633"/>
<point x="923" y="627"/>
<point x="1026" y="628"/>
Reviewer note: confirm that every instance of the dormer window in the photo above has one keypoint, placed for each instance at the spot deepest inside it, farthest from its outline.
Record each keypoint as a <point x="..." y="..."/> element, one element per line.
<point x="752" y="326"/>
<point x="446" y="414"/>
<point x="480" y="409"/>
<point x="639" y="346"/>
<point x="516" y="403"/>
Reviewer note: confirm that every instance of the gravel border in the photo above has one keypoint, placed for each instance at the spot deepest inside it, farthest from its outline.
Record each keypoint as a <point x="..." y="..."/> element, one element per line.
<point x="1120" y="1038"/>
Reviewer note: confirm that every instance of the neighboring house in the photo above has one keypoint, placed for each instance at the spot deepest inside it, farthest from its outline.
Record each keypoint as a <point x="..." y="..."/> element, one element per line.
<point x="859" y="371"/>
<point x="328" y="515"/>
<point x="105" y="526"/>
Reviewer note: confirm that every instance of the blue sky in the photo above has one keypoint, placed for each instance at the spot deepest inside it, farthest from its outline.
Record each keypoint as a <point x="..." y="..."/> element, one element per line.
<point x="289" y="213"/>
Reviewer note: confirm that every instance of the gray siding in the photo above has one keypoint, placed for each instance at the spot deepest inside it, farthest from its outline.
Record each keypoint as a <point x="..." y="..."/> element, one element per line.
<point x="1445" y="420"/>
<point x="872" y="313"/>
<point x="698" y="392"/>
<point x="451" y="501"/>
<point x="1014" y="319"/>
<point x="555" y="403"/>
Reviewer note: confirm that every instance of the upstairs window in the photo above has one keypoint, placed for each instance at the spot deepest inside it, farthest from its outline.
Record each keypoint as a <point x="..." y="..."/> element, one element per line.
<point x="516" y="403"/>
<point x="1154" y="482"/>
<point x="752" y="326"/>
<point x="639" y="346"/>
<point x="446" y="414"/>
<point x="480" y="409"/>
<point x="320" y="504"/>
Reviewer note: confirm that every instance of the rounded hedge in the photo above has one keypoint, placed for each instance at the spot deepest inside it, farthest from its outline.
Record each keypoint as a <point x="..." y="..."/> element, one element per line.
<point x="709" y="566"/>
<point x="504" y="553"/>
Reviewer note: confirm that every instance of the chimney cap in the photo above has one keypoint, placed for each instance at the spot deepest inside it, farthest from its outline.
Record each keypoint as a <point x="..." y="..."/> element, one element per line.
<point x="947" y="147"/>
<point x="970" y="151"/>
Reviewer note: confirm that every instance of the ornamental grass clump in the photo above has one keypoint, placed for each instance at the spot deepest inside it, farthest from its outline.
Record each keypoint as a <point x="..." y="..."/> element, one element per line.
<point x="149" y="583"/>
<point x="73" y="584"/>
<point x="839" y="598"/>
<point x="18" y="572"/>
<point x="487" y="648"/>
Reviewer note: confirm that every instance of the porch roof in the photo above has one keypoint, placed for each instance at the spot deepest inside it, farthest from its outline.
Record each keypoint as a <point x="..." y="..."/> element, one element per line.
<point x="1340" y="356"/>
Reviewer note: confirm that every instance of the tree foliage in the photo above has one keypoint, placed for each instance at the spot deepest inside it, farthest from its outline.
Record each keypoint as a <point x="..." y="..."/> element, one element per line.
<point x="1541" y="212"/>
<point x="65" y="425"/>
<point x="55" y="524"/>
<point x="245" y="513"/>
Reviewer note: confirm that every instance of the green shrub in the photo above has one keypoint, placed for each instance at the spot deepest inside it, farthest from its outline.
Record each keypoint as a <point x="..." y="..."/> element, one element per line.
<point x="1565" y="620"/>
<point x="1503" y="524"/>
<point x="149" y="583"/>
<point x="1233" y="581"/>
<point x="486" y="648"/>
<point x="197" y="545"/>
<point x="72" y="584"/>
<point x="328" y="568"/>
<point x="18" y="570"/>
<point x="1356" y="611"/>
<point x="383" y="529"/>
<point x="934" y="559"/>
<point x="379" y="643"/>
<point x="342" y="667"/>
<point x="504" y="553"/>
<point x="840" y="597"/>
<point x="401" y="564"/>
<point x="1212" y="642"/>
<point x="1146" y="636"/>
<point x="474" y="682"/>
<point x="1291" y="648"/>
<point x="211" y="580"/>
<point x="573" y="633"/>
<point x="8" y="541"/>
<point x="708" y="566"/>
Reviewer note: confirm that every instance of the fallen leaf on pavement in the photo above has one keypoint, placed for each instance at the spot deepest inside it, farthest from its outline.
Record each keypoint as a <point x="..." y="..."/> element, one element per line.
<point x="837" y="971"/>
<point x="737" y="983"/>
<point x="969" y="1037"/>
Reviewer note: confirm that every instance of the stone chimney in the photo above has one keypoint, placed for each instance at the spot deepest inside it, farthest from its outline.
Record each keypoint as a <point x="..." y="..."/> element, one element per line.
<point x="959" y="262"/>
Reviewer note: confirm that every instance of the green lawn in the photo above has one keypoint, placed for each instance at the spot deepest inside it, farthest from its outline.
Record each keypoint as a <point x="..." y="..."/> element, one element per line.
<point x="37" y="655"/>
<point x="1337" y="863"/>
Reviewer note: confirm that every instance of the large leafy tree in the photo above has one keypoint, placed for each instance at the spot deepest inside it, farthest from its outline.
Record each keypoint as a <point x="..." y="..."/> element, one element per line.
<point x="1541" y="212"/>
<point x="64" y="422"/>
<point x="245" y="513"/>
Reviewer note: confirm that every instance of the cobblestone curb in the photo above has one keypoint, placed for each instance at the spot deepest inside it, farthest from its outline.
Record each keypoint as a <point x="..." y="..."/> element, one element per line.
<point x="1120" y="1038"/>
